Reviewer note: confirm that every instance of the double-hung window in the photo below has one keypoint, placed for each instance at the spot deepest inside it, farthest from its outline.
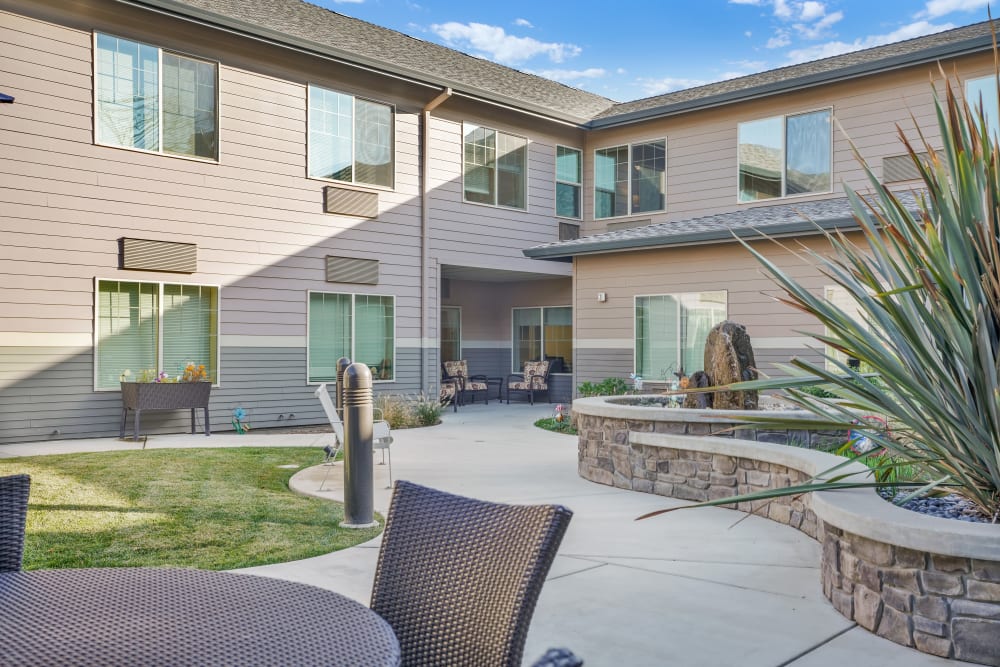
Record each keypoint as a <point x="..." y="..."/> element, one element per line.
<point x="153" y="328"/>
<point x="150" y="99"/>
<point x="785" y="155"/>
<point x="350" y="138"/>
<point x="984" y="91"/>
<point x="569" y="179"/>
<point x="361" y="327"/>
<point x="543" y="333"/>
<point x="630" y="179"/>
<point x="495" y="167"/>
<point x="671" y="330"/>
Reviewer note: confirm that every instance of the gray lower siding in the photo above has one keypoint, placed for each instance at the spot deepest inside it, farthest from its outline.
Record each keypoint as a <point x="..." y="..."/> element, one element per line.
<point x="47" y="393"/>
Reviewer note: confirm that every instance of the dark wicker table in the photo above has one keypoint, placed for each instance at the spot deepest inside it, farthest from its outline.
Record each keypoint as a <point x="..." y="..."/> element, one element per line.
<point x="162" y="616"/>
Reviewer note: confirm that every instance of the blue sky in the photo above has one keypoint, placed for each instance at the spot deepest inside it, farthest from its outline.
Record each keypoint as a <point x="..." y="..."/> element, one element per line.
<point x="628" y="49"/>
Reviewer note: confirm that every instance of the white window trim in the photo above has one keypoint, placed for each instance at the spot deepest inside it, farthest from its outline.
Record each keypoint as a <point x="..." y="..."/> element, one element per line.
<point x="460" y="348"/>
<point x="542" y="341"/>
<point x="159" y="82"/>
<point x="354" y="319"/>
<point x="629" y="196"/>
<point x="555" y="204"/>
<point x="496" y="171"/>
<point x="392" y="141"/>
<point x="635" y="322"/>
<point x="784" y="133"/>
<point x="159" y="323"/>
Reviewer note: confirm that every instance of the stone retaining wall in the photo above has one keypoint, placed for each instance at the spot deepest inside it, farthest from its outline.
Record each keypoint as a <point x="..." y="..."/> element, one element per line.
<point x="943" y="605"/>
<point x="946" y="604"/>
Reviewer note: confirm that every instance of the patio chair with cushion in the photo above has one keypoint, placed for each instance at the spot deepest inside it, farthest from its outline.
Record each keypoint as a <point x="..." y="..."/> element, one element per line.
<point x="534" y="380"/>
<point x="13" y="514"/>
<point x="458" y="578"/>
<point x="449" y="393"/>
<point x="381" y="435"/>
<point x="468" y="385"/>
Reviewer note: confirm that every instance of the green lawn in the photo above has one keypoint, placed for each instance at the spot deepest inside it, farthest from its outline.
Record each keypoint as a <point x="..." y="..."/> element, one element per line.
<point x="550" y="424"/>
<point x="208" y="508"/>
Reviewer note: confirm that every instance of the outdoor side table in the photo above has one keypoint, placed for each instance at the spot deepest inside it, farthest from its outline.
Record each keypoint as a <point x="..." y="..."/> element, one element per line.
<point x="498" y="383"/>
<point x="181" y="617"/>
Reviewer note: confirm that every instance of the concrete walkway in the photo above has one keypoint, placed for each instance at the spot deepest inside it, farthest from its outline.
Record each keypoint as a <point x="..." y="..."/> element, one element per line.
<point x="692" y="588"/>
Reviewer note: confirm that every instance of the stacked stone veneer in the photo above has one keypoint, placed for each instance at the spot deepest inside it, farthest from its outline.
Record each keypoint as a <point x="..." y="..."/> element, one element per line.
<point x="943" y="605"/>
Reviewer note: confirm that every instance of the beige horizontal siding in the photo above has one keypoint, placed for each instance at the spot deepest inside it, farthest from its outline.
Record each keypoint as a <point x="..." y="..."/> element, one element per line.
<point x="702" y="146"/>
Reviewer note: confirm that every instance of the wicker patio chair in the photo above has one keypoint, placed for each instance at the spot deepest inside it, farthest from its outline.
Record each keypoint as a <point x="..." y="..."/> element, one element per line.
<point x="458" y="578"/>
<point x="13" y="513"/>
<point x="449" y="393"/>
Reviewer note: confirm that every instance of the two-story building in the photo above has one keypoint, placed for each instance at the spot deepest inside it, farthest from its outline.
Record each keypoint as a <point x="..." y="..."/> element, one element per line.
<point x="265" y="186"/>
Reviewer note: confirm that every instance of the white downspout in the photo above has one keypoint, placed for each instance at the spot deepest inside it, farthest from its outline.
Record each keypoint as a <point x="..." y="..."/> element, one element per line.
<point x="425" y="161"/>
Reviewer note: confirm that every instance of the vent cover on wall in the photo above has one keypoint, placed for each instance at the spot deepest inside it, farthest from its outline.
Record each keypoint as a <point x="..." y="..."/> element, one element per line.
<point x="901" y="168"/>
<point x="346" y="201"/>
<point x="629" y="224"/>
<point x="568" y="231"/>
<point x="148" y="255"/>
<point x="350" y="270"/>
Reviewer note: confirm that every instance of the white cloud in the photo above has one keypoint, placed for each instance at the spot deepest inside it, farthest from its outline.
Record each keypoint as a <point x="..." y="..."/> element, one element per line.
<point x="524" y="23"/>
<point x="782" y="10"/>
<point x="811" y="10"/>
<point x="668" y="84"/>
<point x="494" y="43"/>
<point x="756" y="3"/>
<point x="747" y="33"/>
<point x="571" y="75"/>
<point x="779" y="40"/>
<point x="818" y="29"/>
<point x="827" y="49"/>
<point x="935" y="8"/>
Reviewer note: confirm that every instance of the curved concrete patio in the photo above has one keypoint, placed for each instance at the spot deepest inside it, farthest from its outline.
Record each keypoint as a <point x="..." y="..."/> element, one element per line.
<point x="695" y="588"/>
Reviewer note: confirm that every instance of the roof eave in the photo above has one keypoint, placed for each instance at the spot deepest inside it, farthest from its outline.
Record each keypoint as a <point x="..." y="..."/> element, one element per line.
<point x="798" y="228"/>
<point x="415" y="77"/>
<point x="956" y="49"/>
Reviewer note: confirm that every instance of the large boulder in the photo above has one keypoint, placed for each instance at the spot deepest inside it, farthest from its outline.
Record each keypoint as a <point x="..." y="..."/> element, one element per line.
<point x="729" y="359"/>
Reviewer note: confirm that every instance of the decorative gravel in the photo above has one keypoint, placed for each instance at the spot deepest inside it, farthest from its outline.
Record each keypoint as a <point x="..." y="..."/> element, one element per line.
<point x="946" y="507"/>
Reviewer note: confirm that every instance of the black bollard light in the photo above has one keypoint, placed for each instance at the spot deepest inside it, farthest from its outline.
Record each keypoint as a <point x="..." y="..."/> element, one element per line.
<point x="359" y="472"/>
<point x="338" y="400"/>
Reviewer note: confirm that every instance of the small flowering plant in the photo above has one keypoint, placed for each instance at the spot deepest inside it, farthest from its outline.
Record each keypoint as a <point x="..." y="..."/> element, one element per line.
<point x="193" y="372"/>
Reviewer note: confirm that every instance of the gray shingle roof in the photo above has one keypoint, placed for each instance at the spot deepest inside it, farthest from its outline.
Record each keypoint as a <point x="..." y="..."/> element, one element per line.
<point x="325" y="31"/>
<point x="967" y="39"/>
<point x="309" y="26"/>
<point x="789" y="218"/>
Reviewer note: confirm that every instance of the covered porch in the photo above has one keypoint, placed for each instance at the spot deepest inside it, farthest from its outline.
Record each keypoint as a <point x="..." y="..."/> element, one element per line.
<point x="498" y="319"/>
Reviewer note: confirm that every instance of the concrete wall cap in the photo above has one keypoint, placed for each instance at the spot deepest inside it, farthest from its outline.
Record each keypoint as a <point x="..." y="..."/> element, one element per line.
<point x="858" y="511"/>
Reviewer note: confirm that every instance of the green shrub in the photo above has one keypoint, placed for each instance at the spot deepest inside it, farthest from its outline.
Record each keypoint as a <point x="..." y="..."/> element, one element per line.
<point x="607" y="387"/>
<point x="550" y="424"/>
<point x="427" y="410"/>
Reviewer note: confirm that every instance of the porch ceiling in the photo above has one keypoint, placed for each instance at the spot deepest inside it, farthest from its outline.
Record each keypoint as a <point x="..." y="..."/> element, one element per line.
<point x="477" y="274"/>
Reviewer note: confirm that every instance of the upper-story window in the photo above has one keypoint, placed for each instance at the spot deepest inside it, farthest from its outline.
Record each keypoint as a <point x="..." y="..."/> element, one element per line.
<point x="630" y="179"/>
<point x="154" y="100"/>
<point x="785" y="155"/>
<point x="984" y="90"/>
<point x="350" y="139"/>
<point x="569" y="179"/>
<point x="496" y="167"/>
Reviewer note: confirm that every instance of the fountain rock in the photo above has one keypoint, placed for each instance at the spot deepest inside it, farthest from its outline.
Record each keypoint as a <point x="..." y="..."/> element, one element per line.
<point x="728" y="359"/>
